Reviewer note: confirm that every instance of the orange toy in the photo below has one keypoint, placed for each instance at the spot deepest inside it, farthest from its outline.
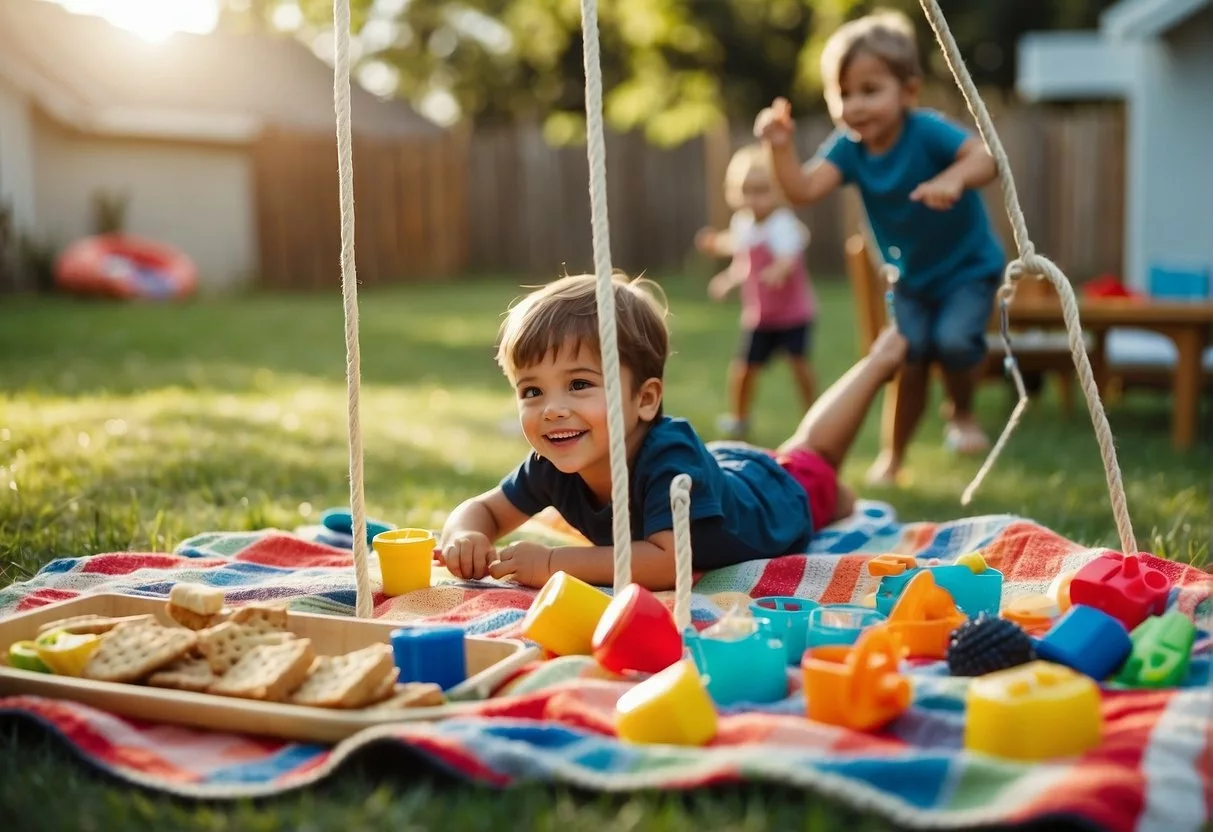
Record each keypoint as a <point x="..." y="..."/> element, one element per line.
<point x="924" y="618"/>
<point x="891" y="564"/>
<point x="856" y="687"/>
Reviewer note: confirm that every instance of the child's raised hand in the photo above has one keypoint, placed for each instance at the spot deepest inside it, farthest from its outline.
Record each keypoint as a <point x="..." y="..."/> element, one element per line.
<point x="705" y="240"/>
<point x="939" y="194"/>
<point x="530" y="563"/>
<point x="468" y="554"/>
<point x="774" y="124"/>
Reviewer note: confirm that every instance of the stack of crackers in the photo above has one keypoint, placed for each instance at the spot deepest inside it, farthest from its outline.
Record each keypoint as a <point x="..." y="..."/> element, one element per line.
<point x="249" y="653"/>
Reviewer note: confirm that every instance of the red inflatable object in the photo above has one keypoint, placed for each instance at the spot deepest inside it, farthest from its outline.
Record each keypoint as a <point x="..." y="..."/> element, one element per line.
<point x="125" y="266"/>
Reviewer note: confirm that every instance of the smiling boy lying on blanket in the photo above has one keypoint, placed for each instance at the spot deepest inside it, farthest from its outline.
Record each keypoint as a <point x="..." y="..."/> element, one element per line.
<point x="747" y="503"/>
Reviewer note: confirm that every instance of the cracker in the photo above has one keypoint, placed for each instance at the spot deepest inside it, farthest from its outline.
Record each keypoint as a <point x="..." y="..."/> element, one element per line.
<point x="189" y="619"/>
<point x="197" y="598"/>
<point x="269" y="672"/>
<point x="91" y="624"/>
<point x="184" y="674"/>
<point x="224" y="645"/>
<point x="347" y="681"/>
<point x="412" y="695"/>
<point x="132" y="650"/>
<point x="264" y="617"/>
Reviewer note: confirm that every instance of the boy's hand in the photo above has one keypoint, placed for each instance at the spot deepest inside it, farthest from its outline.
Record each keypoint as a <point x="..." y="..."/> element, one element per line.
<point x="468" y="554"/>
<point x="774" y="124"/>
<point x="530" y="563"/>
<point x="705" y="240"/>
<point x="939" y="193"/>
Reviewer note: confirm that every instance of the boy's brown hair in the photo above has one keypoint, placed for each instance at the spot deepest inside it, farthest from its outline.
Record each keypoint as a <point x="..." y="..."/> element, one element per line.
<point x="566" y="310"/>
<point x="883" y="34"/>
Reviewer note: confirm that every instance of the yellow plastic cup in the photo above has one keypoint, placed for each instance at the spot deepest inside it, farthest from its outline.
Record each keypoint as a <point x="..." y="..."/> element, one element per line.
<point x="406" y="557"/>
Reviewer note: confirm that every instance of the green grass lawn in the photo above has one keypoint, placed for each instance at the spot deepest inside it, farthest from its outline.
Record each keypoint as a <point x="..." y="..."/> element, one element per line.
<point x="127" y="427"/>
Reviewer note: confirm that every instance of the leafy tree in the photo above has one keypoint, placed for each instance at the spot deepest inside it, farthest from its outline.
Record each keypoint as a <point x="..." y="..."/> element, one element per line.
<point x="670" y="67"/>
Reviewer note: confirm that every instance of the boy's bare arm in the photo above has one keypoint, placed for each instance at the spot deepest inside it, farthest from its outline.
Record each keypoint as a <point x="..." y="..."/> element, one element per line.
<point x="803" y="184"/>
<point x="470" y="532"/>
<point x="974" y="167"/>
<point x="652" y="562"/>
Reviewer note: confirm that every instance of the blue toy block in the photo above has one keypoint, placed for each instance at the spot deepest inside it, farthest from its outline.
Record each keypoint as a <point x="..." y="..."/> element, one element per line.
<point x="430" y="654"/>
<point x="340" y="520"/>
<point x="972" y="592"/>
<point x="752" y="668"/>
<point x="1087" y="640"/>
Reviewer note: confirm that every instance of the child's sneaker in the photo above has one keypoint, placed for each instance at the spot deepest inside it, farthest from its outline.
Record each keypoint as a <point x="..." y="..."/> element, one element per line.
<point x="730" y="427"/>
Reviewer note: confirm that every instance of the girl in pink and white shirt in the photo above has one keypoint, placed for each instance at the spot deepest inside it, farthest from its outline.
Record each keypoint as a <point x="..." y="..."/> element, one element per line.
<point x="767" y="243"/>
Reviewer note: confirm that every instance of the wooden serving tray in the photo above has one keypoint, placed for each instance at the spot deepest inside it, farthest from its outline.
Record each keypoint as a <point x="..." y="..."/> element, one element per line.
<point x="489" y="662"/>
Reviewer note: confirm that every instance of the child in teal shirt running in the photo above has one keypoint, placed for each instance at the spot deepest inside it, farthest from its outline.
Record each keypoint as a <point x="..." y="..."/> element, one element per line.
<point x="917" y="172"/>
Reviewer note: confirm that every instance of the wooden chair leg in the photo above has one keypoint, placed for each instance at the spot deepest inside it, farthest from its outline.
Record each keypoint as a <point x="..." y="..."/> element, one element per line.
<point x="1065" y="393"/>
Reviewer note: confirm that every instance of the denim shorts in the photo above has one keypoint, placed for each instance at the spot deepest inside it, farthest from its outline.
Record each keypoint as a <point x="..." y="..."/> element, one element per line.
<point x="950" y="329"/>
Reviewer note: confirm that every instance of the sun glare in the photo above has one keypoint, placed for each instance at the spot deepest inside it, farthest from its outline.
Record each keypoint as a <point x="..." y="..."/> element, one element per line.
<point x="152" y="20"/>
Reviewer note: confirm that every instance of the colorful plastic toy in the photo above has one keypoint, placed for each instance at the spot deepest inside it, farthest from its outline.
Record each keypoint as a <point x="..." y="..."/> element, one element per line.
<point x="1162" y="651"/>
<point x="840" y="624"/>
<point x="637" y="632"/>
<point x="23" y="655"/>
<point x="856" y="687"/>
<point x="974" y="587"/>
<point x="340" y="520"/>
<point x="789" y="619"/>
<point x="986" y="644"/>
<point x="1034" y="613"/>
<point x="1059" y="590"/>
<point x="974" y="561"/>
<point x="891" y="564"/>
<point x="430" y="653"/>
<point x="406" y="559"/>
<point x="564" y="615"/>
<point x="924" y="617"/>
<point x="1087" y="640"/>
<point x="66" y="653"/>
<point x="1126" y="588"/>
<point x="1036" y="711"/>
<point x="669" y="708"/>
<point x="740" y="666"/>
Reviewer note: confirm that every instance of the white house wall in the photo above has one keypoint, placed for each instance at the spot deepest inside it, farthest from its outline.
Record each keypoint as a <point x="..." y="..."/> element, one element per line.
<point x="16" y="156"/>
<point x="1171" y="171"/>
<point x="198" y="198"/>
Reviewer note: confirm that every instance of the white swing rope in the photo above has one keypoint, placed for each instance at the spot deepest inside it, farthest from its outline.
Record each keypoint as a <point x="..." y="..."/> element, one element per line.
<point x="349" y="294"/>
<point x="607" y="326"/>
<point x="1029" y="262"/>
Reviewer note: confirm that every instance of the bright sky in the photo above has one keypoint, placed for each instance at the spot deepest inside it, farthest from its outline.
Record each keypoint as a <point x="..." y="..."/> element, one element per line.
<point x="153" y="20"/>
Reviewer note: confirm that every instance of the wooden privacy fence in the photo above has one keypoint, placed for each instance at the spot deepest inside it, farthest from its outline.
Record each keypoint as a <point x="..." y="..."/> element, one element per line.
<point x="411" y="214"/>
<point x="503" y="201"/>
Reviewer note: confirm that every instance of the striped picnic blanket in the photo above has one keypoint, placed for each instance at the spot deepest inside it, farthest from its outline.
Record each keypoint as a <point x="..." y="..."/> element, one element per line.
<point x="553" y="723"/>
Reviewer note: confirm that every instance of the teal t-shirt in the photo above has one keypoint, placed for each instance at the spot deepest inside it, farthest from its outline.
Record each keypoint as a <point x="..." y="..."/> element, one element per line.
<point x="744" y="505"/>
<point x="934" y="251"/>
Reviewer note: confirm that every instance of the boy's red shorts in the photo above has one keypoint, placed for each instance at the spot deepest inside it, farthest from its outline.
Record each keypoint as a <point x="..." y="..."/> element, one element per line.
<point x="818" y="479"/>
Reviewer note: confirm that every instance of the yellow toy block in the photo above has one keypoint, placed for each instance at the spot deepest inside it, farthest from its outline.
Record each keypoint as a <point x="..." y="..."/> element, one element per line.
<point x="1036" y="711"/>
<point x="669" y="708"/>
<point x="564" y="615"/>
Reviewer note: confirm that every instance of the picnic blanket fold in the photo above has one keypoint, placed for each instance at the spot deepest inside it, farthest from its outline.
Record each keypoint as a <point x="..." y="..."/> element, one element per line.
<point x="553" y="723"/>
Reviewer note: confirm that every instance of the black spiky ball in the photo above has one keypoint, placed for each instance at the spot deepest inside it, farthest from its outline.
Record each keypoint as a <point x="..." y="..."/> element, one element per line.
<point x="985" y="644"/>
